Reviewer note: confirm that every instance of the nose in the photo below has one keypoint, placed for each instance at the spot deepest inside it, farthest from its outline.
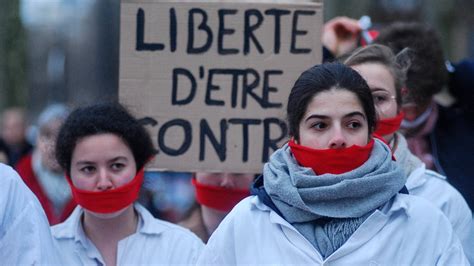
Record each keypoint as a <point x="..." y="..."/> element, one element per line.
<point x="338" y="141"/>
<point x="104" y="182"/>
<point x="227" y="181"/>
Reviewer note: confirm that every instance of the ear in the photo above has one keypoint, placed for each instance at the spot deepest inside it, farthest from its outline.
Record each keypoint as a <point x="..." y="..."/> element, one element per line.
<point x="404" y="59"/>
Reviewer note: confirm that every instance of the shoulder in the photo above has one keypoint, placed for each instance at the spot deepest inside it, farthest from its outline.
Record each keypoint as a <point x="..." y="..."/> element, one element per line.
<point x="15" y="199"/>
<point x="434" y="174"/>
<point x="442" y="189"/>
<point x="8" y="175"/>
<point x="248" y="217"/>
<point x="434" y="187"/>
<point x="421" y="215"/>
<point x="24" y="230"/>
<point x="412" y="221"/>
<point x="248" y="210"/>
<point x="419" y="219"/>
<point x="449" y="200"/>
<point x="410" y="203"/>
<point x="68" y="228"/>
<point x="443" y="194"/>
<point x="229" y="244"/>
<point x="14" y="194"/>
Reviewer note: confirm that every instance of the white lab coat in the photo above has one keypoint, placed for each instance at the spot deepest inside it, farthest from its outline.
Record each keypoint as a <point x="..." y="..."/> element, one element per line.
<point x="156" y="242"/>
<point x="25" y="238"/>
<point x="434" y="188"/>
<point x="406" y="231"/>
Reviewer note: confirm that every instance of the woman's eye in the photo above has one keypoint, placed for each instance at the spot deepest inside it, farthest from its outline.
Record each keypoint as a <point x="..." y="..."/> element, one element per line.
<point x="319" y="125"/>
<point x="88" y="169"/>
<point x="379" y="99"/>
<point x="354" y="125"/>
<point x="118" y="166"/>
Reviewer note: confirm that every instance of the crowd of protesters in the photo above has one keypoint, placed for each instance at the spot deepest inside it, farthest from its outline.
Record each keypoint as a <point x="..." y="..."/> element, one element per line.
<point x="374" y="171"/>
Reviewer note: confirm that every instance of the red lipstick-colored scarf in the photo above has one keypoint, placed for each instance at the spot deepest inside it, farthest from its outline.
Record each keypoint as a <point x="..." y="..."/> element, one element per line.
<point x="108" y="201"/>
<point x="390" y="125"/>
<point x="220" y="198"/>
<point x="331" y="161"/>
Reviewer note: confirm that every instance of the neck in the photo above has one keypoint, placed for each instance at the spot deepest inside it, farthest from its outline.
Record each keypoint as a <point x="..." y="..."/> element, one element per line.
<point x="110" y="229"/>
<point x="105" y="233"/>
<point x="212" y="218"/>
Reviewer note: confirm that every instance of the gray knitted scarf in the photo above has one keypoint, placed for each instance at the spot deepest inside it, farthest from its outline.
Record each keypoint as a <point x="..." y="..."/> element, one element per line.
<point x="407" y="160"/>
<point x="328" y="208"/>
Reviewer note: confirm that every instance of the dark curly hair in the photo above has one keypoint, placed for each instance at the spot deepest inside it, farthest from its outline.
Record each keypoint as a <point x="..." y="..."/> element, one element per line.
<point x="99" y="119"/>
<point x="325" y="77"/>
<point x="427" y="74"/>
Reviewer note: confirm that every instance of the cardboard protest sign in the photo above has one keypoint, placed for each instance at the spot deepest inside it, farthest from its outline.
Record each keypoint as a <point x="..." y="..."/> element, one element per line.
<point x="213" y="79"/>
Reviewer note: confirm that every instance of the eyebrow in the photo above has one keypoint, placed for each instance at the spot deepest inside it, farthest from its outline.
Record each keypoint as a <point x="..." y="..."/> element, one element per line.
<point x="376" y="89"/>
<point x="84" y="162"/>
<point x="356" y="113"/>
<point x="316" y="116"/>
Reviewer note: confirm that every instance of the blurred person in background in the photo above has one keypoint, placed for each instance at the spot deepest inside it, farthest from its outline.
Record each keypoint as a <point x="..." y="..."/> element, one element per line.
<point x="40" y="170"/>
<point x="441" y="136"/>
<point x="385" y="75"/>
<point x="216" y="195"/>
<point x="461" y="80"/>
<point x="13" y="134"/>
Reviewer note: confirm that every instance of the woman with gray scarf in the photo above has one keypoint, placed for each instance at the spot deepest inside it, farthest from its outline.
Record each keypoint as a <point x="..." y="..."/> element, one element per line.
<point x="333" y="194"/>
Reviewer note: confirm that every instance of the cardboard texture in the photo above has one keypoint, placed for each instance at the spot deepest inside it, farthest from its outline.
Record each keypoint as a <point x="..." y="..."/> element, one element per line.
<point x="213" y="79"/>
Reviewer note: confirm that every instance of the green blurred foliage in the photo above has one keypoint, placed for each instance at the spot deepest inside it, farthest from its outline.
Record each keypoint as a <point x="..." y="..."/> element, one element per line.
<point x="12" y="56"/>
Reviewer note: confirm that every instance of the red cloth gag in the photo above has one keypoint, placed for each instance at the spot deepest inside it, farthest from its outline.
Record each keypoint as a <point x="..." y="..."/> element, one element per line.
<point x="331" y="161"/>
<point x="389" y="125"/>
<point x="220" y="198"/>
<point x="108" y="201"/>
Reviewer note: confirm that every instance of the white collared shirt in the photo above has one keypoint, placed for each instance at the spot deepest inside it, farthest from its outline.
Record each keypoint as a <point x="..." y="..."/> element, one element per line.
<point x="435" y="189"/>
<point x="25" y="238"/>
<point x="155" y="242"/>
<point x="407" y="231"/>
